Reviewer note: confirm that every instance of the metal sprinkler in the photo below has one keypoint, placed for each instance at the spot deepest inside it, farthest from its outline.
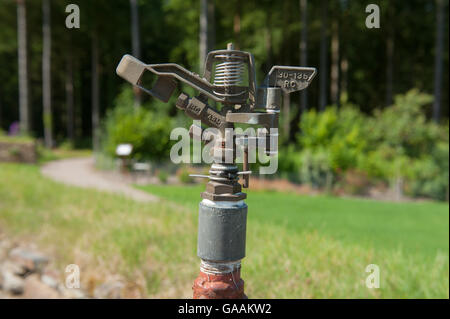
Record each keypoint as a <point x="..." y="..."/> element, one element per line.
<point x="229" y="79"/>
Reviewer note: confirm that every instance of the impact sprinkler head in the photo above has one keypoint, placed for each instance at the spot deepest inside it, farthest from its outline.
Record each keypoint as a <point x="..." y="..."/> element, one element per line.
<point x="228" y="79"/>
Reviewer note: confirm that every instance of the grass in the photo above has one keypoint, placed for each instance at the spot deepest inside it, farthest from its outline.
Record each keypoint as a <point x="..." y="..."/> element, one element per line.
<point x="414" y="227"/>
<point x="47" y="155"/>
<point x="297" y="247"/>
<point x="16" y="139"/>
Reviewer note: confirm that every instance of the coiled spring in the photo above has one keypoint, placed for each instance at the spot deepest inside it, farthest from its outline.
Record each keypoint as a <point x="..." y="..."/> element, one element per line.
<point x="229" y="73"/>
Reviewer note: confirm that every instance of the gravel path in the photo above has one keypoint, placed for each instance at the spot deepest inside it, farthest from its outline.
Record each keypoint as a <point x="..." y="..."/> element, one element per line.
<point x="81" y="172"/>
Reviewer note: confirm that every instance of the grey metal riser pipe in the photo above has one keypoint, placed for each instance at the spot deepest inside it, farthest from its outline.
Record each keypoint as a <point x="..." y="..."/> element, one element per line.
<point x="221" y="247"/>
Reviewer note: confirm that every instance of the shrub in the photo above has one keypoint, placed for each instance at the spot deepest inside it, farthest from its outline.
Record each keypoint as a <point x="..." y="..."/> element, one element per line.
<point x="355" y="182"/>
<point x="315" y="168"/>
<point x="183" y="176"/>
<point x="163" y="176"/>
<point x="403" y="127"/>
<point x="404" y="145"/>
<point x="289" y="163"/>
<point x="14" y="151"/>
<point x="146" y="130"/>
<point x="397" y="145"/>
<point x="340" y="132"/>
<point x="430" y="174"/>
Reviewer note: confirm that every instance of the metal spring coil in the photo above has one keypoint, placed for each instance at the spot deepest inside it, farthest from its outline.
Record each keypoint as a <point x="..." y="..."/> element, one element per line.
<point x="229" y="73"/>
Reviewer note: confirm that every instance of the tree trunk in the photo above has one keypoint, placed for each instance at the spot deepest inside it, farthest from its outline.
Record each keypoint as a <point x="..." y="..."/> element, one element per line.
<point x="390" y="55"/>
<point x="70" y="98"/>
<point x="438" y="60"/>
<point x="237" y="25"/>
<point x="286" y="114"/>
<point x="334" y="88"/>
<point x="304" y="49"/>
<point x="46" y="74"/>
<point x="203" y="33"/>
<point x="389" y="69"/>
<point x="1" y="109"/>
<point x="211" y="25"/>
<point x="136" y="45"/>
<point x="207" y="31"/>
<point x="23" y="67"/>
<point x="343" y="52"/>
<point x="343" y="86"/>
<point x="95" y="95"/>
<point x="268" y="42"/>
<point x="323" y="65"/>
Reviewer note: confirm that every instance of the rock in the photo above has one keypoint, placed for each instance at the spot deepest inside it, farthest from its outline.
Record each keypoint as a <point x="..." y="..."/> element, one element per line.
<point x="109" y="290"/>
<point x="31" y="261"/>
<point x="72" y="293"/>
<point x="4" y="247"/>
<point x="14" y="268"/>
<point x="49" y="281"/>
<point x="12" y="283"/>
<point x="24" y="274"/>
<point x="36" y="289"/>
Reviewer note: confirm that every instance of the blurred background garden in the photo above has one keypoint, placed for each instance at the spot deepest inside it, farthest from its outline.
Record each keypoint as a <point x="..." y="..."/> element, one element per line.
<point x="363" y="171"/>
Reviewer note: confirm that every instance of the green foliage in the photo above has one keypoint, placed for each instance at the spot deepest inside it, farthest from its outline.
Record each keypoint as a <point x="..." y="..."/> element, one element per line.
<point x="66" y="145"/>
<point x="397" y="143"/>
<point x="271" y="30"/>
<point x="315" y="168"/>
<point x="330" y="142"/>
<point x="163" y="176"/>
<point x="430" y="174"/>
<point x="19" y="139"/>
<point x="404" y="145"/>
<point x="184" y="176"/>
<point x="147" y="131"/>
<point x="287" y="168"/>
<point x="14" y="151"/>
<point x="47" y="155"/>
<point x="340" y="132"/>
<point x="404" y="127"/>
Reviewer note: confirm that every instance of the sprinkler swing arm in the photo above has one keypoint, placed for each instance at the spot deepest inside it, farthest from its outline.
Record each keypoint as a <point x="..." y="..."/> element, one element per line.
<point x="268" y="96"/>
<point x="222" y="212"/>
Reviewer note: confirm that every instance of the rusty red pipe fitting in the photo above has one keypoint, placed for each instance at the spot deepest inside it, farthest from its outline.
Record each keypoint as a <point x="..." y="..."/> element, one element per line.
<point x="219" y="286"/>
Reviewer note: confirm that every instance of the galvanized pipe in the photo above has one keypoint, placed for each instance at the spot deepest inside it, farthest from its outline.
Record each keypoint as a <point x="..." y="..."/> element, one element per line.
<point x="221" y="247"/>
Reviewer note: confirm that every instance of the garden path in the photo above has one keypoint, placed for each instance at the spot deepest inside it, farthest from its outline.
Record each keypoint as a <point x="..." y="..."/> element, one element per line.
<point x="81" y="172"/>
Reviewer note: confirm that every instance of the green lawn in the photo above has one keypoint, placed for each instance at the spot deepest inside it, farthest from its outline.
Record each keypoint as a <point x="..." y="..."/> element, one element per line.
<point x="297" y="246"/>
<point x="416" y="228"/>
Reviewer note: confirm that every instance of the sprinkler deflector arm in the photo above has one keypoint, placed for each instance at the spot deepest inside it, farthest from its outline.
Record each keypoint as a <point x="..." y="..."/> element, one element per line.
<point x="288" y="78"/>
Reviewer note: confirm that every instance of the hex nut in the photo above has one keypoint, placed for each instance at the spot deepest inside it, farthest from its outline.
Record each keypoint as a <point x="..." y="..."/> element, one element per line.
<point x="221" y="188"/>
<point x="225" y="198"/>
